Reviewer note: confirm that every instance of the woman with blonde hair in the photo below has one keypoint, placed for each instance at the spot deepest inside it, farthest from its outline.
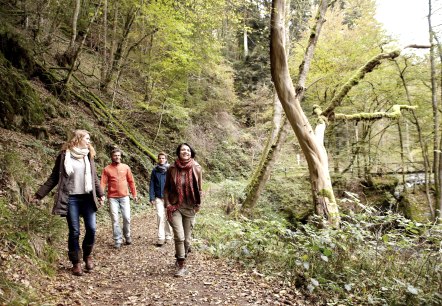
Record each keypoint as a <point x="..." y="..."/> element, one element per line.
<point x="78" y="194"/>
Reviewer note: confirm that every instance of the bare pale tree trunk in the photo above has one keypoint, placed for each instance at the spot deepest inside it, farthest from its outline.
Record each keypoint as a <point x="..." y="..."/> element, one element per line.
<point x="79" y="48"/>
<point x="437" y="162"/>
<point x="67" y="57"/>
<point x="117" y="57"/>
<point x="427" y="168"/>
<point x="438" y="215"/>
<point x="74" y="27"/>
<point x="401" y="143"/>
<point x="245" y="41"/>
<point x="104" y="66"/>
<point x="114" y="30"/>
<point x="310" y="142"/>
<point x="434" y="104"/>
<point x="439" y="199"/>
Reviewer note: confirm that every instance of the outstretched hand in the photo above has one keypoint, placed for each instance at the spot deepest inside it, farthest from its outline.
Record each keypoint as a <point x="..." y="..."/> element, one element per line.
<point x="101" y="201"/>
<point x="35" y="200"/>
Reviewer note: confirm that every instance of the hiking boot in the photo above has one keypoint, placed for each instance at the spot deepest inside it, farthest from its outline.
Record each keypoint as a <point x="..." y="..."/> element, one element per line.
<point x="76" y="269"/>
<point x="181" y="271"/>
<point x="117" y="245"/>
<point x="128" y="241"/>
<point x="160" y="243"/>
<point x="89" y="264"/>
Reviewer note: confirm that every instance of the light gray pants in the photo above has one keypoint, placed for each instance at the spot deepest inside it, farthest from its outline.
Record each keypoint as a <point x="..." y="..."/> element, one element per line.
<point x="115" y="205"/>
<point x="182" y="224"/>
<point x="164" y="230"/>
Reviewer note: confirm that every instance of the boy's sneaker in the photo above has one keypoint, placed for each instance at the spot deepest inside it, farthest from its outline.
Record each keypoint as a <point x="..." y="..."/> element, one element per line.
<point x="128" y="241"/>
<point x="160" y="243"/>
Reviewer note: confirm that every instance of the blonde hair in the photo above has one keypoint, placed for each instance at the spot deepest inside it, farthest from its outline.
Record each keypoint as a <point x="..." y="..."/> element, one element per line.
<point x="74" y="141"/>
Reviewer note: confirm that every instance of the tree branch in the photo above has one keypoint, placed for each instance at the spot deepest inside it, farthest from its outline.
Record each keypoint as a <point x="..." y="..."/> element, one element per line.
<point x="394" y="114"/>
<point x="304" y="67"/>
<point x="418" y="47"/>
<point x="357" y="77"/>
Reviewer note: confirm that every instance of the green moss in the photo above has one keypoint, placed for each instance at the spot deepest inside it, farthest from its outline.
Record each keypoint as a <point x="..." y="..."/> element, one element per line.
<point x="379" y="183"/>
<point x="414" y="206"/>
<point x="327" y="193"/>
<point x="16" y="50"/>
<point x="20" y="105"/>
<point x="287" y="195"/>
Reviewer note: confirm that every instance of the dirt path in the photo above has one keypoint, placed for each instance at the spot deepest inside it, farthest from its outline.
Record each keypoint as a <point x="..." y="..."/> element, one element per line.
<point x="142" y="274"/>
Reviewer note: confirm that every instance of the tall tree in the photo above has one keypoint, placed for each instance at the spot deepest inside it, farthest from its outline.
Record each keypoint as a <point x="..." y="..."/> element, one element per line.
<point x="434" y="100"/>
<point x="417" y="122"/>
<point x="76" y="52"/>
<point x="273" y="145"/>
<point x="311" y="142"/>
<point x="437" y="140"/>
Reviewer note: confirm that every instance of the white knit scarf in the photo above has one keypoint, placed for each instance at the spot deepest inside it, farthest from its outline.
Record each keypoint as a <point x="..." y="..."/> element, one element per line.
<point x="79" y="153"/>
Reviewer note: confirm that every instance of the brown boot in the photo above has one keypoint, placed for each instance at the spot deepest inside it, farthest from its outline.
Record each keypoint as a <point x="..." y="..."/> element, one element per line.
<point x="89" y="264"/>
<point x="76" y="269"/>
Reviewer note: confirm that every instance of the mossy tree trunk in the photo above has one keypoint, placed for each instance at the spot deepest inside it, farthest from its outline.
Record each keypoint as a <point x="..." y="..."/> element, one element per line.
<point x="273" y="146"/>
<point x="263" y="170"/>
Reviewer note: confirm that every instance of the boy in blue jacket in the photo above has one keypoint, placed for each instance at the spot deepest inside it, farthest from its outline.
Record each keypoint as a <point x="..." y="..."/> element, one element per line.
<point x="156" y="194"/>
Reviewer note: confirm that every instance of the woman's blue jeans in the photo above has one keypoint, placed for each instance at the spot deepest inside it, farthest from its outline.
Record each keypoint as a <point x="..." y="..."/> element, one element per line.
<point x="81" y="205"/>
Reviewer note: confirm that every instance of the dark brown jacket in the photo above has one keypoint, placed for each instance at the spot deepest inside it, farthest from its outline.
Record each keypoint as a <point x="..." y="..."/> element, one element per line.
<point x="170" y="190"/>
<point x="59" y="177"/>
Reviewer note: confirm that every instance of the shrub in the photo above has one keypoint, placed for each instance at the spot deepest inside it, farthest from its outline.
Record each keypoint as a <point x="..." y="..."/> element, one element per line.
<point x="374" y="258"/>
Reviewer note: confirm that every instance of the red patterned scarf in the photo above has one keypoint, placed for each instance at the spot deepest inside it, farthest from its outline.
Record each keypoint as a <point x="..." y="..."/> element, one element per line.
<point x="187" y="192"/>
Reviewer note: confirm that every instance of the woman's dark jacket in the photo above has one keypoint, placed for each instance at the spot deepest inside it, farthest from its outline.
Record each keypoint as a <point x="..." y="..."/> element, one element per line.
<point x="170" y="190"/>
<point x="60" y="178"/>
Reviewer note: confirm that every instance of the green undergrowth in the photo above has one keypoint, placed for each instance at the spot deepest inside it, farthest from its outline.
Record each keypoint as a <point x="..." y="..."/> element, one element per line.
<point x="27" y="238"/>
<point x="374" y="258"/>
<point x="28" y="234"/>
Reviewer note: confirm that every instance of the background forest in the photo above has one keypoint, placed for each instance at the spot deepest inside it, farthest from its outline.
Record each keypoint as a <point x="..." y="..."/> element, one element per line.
<point x="147" y="75"/>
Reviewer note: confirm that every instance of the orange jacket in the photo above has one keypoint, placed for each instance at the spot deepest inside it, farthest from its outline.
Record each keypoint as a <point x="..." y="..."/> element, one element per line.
<point x="118" y="178"/>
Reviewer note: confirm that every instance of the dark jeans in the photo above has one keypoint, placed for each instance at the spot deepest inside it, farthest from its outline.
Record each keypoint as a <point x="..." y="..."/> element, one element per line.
<point x="81" y="205"/>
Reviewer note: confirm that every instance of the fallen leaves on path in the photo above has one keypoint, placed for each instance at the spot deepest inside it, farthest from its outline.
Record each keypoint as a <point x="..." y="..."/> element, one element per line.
<point x="142" y="274"/>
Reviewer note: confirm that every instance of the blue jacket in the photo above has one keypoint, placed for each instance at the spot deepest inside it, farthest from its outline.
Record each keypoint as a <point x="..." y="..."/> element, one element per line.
<point x="157" y="181"/>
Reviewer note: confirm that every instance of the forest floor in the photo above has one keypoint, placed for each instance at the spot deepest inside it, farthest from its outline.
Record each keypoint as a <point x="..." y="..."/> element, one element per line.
<point x="143" y="274"/>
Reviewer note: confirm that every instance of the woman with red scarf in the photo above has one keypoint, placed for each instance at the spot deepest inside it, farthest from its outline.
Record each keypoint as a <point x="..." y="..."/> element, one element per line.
<point x="182" y="198"/>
